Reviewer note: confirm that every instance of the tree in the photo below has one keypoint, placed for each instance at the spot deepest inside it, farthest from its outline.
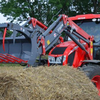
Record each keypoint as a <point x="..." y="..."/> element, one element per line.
<point x="86" y="6"/>
<point x="64" y="5"/>
<point x="96" y="6"/>
<point x="20" y="9"/>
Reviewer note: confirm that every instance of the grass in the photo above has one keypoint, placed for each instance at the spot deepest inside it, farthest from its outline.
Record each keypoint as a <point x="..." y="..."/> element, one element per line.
<point x="9" y="65"/>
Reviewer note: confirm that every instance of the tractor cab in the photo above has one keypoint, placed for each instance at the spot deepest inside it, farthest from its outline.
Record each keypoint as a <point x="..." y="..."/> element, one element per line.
<point x="92" y="27"/>
<point x="90" y="23"/>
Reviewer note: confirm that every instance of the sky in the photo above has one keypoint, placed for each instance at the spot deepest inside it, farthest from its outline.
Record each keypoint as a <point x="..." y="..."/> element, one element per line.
<point x="3" y="19"/>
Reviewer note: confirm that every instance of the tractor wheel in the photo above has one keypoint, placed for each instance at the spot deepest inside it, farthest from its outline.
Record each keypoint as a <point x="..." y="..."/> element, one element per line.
<point x="93" y="72"/>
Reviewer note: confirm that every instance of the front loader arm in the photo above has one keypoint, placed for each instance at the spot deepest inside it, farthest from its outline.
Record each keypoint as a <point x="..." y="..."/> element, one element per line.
<point x="47" y="39"/>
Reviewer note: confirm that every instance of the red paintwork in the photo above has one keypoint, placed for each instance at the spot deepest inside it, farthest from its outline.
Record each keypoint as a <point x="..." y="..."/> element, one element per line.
<point x="96" y="80"/>
<point x="65" y="19"/>
<point x="85" y="16"/>
<point x="35" y="22"/>
<point x="61" y="39"/>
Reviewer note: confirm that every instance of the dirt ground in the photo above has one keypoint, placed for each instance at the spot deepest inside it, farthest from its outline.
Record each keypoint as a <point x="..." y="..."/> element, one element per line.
<point x="45" y="83"/>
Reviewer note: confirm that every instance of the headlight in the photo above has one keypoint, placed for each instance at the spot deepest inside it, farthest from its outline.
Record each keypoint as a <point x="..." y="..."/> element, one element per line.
<point x="51" y="59"/>
<point x="55" y="60"/>
<point x="59" y="59"/>
<point x="64" y="58"/>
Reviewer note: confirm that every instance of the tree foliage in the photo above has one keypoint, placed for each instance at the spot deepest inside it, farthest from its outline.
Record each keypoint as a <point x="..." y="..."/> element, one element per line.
<point x="87" y="6"/>
<point x="44" y="10"/>
<point x="22" y="9"/>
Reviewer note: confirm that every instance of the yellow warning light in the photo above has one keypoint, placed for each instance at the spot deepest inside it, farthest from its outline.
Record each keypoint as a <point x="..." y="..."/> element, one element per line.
<point x="48" y="42"/>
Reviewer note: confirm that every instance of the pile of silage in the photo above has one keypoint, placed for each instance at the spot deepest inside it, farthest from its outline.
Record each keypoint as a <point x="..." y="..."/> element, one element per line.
<point x="45" y="83"/>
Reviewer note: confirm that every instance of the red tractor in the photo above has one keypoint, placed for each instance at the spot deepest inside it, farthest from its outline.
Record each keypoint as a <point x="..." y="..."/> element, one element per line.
<point x="79" y="48"/>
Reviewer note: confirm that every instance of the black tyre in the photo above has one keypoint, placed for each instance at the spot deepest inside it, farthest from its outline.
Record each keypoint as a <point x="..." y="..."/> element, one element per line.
<point x="93" y="72"/>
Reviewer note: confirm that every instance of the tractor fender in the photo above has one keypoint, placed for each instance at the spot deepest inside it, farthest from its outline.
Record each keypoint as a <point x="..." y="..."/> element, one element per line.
<point x="91" y="61"/>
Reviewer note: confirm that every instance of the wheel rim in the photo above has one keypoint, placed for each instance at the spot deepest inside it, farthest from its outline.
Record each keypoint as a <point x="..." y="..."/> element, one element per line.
<point x="96" y="81"/>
